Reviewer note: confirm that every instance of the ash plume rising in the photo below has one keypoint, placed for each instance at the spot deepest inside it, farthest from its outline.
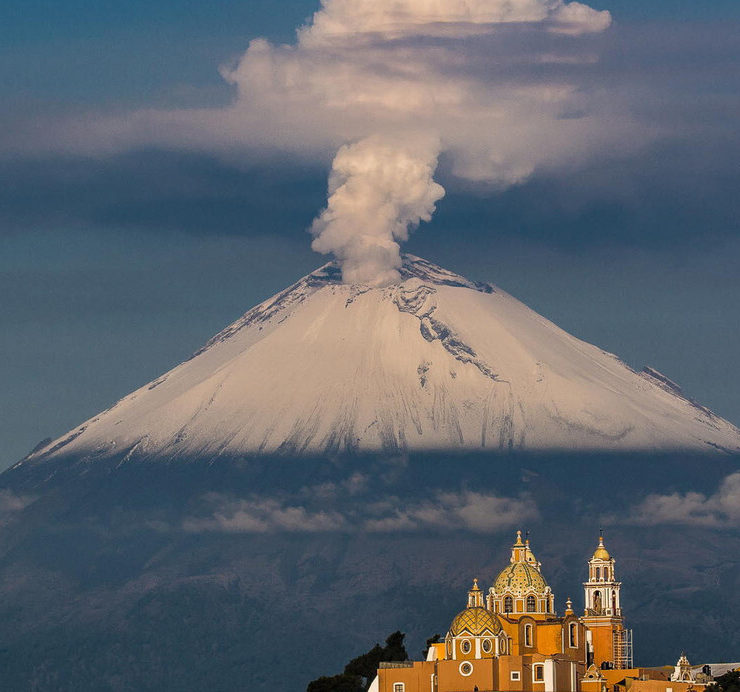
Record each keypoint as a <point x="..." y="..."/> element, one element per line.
<point x="378" y="190"/>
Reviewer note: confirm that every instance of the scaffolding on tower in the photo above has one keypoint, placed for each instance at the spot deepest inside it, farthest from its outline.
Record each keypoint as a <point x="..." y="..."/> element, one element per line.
<point x="622" y="654"/>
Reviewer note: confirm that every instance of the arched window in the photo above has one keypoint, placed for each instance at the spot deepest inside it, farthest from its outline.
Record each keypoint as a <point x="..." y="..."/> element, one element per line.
<point x="572" y="635"/>
<point x="531" y="604"/>
<point x="508" y="604"/>
<point x="527" y="635"/>
<point x="598" y="574"/>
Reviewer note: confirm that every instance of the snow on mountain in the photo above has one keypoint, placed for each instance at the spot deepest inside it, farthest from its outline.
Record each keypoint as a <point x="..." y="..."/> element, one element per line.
<point x="433" y="362"/>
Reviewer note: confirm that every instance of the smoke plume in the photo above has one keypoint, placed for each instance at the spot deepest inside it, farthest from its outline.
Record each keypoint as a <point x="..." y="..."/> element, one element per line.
<point x="378" y="190"/>
<point x="503" y="87"/>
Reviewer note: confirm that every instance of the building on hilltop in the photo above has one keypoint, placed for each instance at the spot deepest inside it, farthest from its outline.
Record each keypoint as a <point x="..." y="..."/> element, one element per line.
<point x="511" y="639"/>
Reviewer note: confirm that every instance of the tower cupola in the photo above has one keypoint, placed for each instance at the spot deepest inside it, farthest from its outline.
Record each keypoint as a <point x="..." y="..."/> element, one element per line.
<point x="475" y="596"/>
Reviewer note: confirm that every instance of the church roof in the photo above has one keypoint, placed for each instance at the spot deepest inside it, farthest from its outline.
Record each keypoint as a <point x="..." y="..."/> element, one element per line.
<point x="475" y="621"/>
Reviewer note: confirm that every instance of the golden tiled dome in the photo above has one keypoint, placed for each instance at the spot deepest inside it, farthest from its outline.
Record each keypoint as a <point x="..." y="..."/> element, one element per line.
<point x="601" y="553"/>
<point x="475" y="621"/>
<point x="519" y="578"/>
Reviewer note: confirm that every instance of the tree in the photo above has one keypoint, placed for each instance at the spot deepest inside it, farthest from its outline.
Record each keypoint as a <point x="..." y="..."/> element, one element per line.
<point x="360" y="671"/>
<point x="367" y="664"/>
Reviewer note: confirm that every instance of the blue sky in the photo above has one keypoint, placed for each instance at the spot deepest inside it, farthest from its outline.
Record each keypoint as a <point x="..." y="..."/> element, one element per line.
<point x="116" y="266"/>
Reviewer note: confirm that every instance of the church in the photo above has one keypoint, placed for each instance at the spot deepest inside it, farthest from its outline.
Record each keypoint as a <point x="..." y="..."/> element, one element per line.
<point x="510" y="638"/>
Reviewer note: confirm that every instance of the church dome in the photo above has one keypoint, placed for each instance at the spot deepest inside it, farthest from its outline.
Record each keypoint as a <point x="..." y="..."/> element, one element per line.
<point x="519" y="578"/>
<point x="475" y="621"/>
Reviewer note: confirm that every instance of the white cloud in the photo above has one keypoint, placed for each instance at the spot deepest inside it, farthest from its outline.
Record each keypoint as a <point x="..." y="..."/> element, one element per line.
<point x="349" y="76"/>
<point x="339" y="19"/>
<point x="445" y="511"/>
<point x="720" y="509"/>
<point x="468" y="510"/>
<point x="261" y="516"/>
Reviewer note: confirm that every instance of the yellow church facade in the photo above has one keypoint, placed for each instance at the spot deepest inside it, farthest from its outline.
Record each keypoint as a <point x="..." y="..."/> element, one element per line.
<point x="511" y="638"/>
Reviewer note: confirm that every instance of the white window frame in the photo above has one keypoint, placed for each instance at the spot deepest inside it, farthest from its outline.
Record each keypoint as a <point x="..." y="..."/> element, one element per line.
<point x="466" y="643"/>
<point x="399" y="687"/>
<point x="516" y="675"/>
<point x="466" y="664"/>
<point x="486" y="643"/>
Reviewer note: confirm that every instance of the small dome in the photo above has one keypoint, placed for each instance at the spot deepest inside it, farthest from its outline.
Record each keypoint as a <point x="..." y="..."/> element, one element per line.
<point x="601" y="553"/>
<point x="519" y="578"/>
<point x="475" y="621"/>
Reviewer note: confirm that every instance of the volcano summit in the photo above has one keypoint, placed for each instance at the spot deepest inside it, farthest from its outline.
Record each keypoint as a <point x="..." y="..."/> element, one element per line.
<point x="433" y="362"/>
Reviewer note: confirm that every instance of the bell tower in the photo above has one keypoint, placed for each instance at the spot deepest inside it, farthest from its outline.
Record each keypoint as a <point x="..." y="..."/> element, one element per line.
<point x="602" y="588"/>
<point x="609" y="643"/>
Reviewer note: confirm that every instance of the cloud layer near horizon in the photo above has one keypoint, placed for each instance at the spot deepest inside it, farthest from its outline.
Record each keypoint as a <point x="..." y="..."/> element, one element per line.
<point x="320" y="509"/>
<point x="721" y="509"/>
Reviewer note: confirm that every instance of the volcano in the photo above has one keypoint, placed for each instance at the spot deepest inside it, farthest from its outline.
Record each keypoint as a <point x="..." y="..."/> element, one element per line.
<point x="433" y="362"/>
<point x="246" y="521"/>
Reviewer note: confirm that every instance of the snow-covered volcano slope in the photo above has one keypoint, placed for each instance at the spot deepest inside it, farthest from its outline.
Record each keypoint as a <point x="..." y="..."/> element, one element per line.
<point x="434" y="362"/>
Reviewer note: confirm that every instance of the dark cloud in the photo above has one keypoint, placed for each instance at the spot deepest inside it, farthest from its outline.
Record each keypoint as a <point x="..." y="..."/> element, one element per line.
<point x="159" y="190"/>
<point x="676" y="193"/>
